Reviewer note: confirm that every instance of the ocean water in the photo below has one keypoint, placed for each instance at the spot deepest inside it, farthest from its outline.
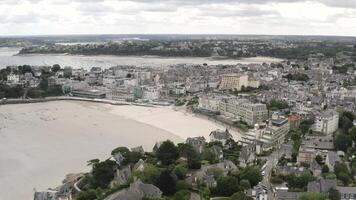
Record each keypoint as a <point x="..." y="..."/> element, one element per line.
<point x="9" y="57"/>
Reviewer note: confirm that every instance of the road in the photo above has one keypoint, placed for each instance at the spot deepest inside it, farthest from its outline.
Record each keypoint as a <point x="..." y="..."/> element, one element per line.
<point x="272" y="161"/>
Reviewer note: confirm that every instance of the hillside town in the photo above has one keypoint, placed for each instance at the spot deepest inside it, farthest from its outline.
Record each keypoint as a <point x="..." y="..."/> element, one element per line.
<point x="296" y="119"/>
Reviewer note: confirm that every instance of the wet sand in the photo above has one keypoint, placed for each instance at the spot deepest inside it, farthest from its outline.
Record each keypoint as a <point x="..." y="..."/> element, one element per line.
<point x="41" y="143"/>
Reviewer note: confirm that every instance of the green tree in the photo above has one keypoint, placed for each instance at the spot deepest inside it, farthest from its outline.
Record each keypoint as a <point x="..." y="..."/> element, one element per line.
<point x="334" y="194"/>
<point x="87" y="195"/>
<point x="319" y="159"/>
<point x="182" y="195"/>
<point x="252" y="174"/>
<point x="167" y="153"/>
<point x="44" y="84"/>
<point x="150" y="174"/>
<point x="180" y="171"/>
<point x="342" y="142"/>
<point x="325" y="169"/>
<point x="240" y="196"/>
<point x="226" y="186"/>
<point x="245" y="184"/>
<point x="344" y="177"/>
<point x="167" y="183"/>
<point x="103" y="173"/>
<point x="209" y="155"/>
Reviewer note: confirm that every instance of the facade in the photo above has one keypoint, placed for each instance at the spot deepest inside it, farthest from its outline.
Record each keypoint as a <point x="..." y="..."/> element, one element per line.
<point x="269" y="135"/>
<point x="92" y="94"/>
<point x="327" y="122"/>
<point x="347" y="193"/>
<point x="220" y="136"/>
<point x="233" y="81"/>
<point x="151" y="93"/>
<point x="197" y="142"/>
<point x="251" y="113"/>
<point x="209" y="103"/>
<point x="306" y="155"/>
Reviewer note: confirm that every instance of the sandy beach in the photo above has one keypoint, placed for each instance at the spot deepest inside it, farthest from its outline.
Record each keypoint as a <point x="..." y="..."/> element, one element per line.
<point x="40" y="143"/>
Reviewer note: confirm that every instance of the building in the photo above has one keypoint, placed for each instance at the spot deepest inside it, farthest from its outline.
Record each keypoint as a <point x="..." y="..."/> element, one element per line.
<point x="306" y="155"/>
<point x="271" y="134"/>
<point x="327" y="122"/>
<point x="121" y="94"/>
<point x="294" y="121"/>
<point x="13" y="78"/>
<point x="347" y="193"/>
<point x="151" y="93"/>
<point x="321" y="185"/>
<point x="233" y="81"/>
<point x="220" y="136"/>
<point x="258" y="192"/>
<point x="243" y="110"/>
<point x="209" y="103"/>
<point x="331" y="159"/>
<point x="197" y="142"/>
<point x="92" y="94"/>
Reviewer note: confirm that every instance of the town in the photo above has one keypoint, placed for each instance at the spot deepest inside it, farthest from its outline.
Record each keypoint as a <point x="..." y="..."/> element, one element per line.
<point x="296" y="120"/>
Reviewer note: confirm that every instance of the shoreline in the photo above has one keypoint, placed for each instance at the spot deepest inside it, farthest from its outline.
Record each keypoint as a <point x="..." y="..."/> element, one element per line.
<point x="72" y="132"/>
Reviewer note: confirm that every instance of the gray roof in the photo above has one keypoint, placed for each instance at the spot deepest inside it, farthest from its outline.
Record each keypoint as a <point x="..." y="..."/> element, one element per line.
<point x="346" y="190"/>
<point x="283" y="194"/>
<point x="322" y="185"/>
<point x="221" y="135"/>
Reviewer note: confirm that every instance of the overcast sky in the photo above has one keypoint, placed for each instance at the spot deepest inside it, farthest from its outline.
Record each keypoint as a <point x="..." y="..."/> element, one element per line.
<point x="292" y="17"/>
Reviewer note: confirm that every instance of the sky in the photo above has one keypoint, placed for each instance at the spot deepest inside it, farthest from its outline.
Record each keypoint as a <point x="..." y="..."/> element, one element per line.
<point x="271" y="17"/>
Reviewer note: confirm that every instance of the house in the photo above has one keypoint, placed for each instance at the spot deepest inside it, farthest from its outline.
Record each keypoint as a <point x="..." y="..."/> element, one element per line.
<point x="315" y="168"/>
<point x="347" y="193"/>
<point x="64" y="192"/>
<point x="220" y="136"/>
<point x="321" y="185"/>
<point x="197" y="142"/>
<point x="331" y="159"/>
<point x="218" y="151"/>
<point x="147" y="191"/>
<point x="121" y="176"/>
<point x="306" y="155"/>
<point x="259" y="192"/>
<point x="139" y="166"/>
<point x="118" y="158"/>
<point x="137" y="191"/>
<point x="45" y="195"/>
<point x="247" y="154"/>
<point x="285" y="195"/>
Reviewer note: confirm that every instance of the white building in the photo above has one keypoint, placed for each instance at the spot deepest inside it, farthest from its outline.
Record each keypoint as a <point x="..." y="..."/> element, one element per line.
<point x="327" y="122"/>
<point x="236" y="81"/>
<point x="151" y="93"/>
<point x="13" y="78"/>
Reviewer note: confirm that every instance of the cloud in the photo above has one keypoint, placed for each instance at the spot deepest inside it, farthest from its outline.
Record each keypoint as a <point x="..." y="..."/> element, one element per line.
<point x="331" y="17"/>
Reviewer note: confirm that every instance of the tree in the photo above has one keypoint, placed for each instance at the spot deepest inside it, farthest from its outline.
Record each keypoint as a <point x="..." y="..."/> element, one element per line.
<point x="44" y="84"/>
<point x="87" y="195"/>
<point x="226" y="186"/>
<point x="245" y="184"/>
<point x="240" y="196"/>
<point x="334" y="194"/>
<point x="55" y="68"/>
<point x="193" y="157"/>
<point x="182" y="195"/>
<point x="352" y="133"/>
<point x="150" y="174"/>
<point x="209" y="155"/>
<point x="180" y="171"/>
<point x="167" y="153"/>
<point x="313" y="196"/>
<point x="252" y="174"/>
<point x="167" y="183"/>
<point x="103" y="173"/>
<point x="342" y="142"/>
<point x="344" y="177"/>
<point x="325" y="169"/>
<point x="319" y="159"/>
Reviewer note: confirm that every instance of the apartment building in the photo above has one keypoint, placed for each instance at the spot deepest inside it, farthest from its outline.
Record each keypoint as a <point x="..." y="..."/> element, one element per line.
<point x="327" y="122"/>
